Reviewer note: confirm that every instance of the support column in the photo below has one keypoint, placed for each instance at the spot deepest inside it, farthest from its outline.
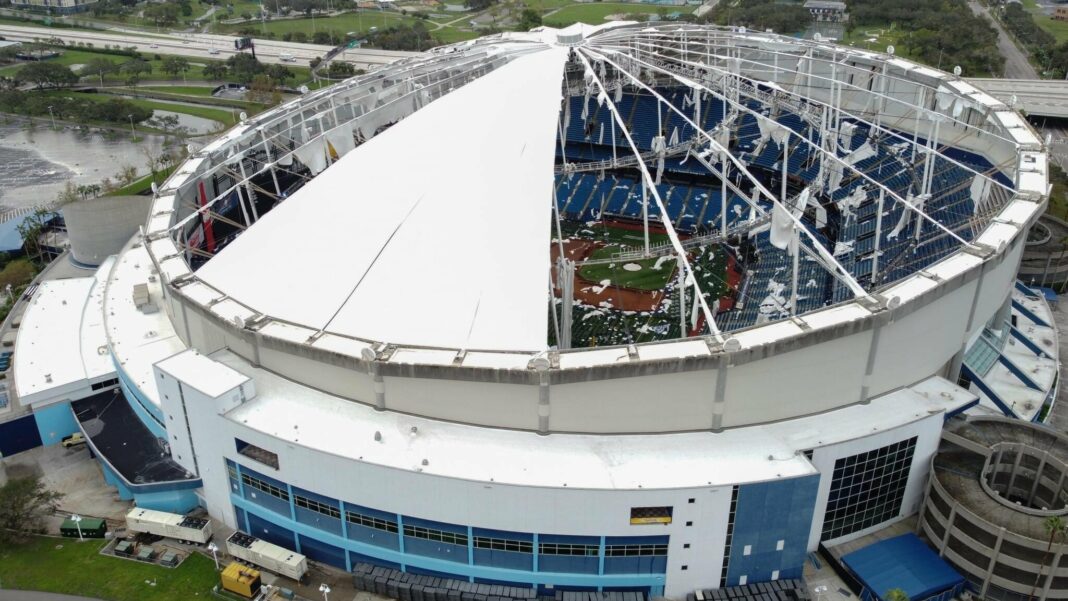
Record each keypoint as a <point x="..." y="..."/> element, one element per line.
<point x="1053" y="567"/>
<point x="543" y="396"/>
<point x="1038" y="478"/>
<point x="949" y="528"/>
<point x="990" y="565"/>
<point x="878" y="237"/>
<point x="1012" y="476"/>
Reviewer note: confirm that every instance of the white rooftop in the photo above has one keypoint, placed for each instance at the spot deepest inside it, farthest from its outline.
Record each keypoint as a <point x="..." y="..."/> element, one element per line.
<point x="211" y="378"/>
<point x="311" y="418"/>
<point x="60" y="348"/>
<point x="438" y="227"/>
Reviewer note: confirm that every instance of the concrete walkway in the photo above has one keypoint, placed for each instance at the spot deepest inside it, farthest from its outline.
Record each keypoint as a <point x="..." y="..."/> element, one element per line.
<point x="1058" y="417"/>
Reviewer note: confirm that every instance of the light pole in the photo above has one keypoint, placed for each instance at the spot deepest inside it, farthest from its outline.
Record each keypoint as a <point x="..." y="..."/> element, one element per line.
<point x="53" y="116"/>
<point x="132" y="133"/>
<point x="77" y="519"/>
<point x="214" y="553"/>
<point x="325" y="590"/>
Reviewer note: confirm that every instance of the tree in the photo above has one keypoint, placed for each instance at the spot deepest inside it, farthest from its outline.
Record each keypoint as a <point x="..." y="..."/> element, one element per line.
<point x="321" y="37"/>
<point x="340" y="70"/>
<point x="896" y="594"/>
<point x="163" y="15"/>
<point x="99" y="66"/>
<point x="279" y="73"/>
<point x="529" y="19"/>
<point x="135" y="69"/>
<point x="214" y="71"/>
<point x="30" y="230"/>
<point x="46" y="75"/>
<point x="175" y="65"/>
<point x="23" y="505"/>
<point x="244" y="67"/>
<point x="1055" y="528"/>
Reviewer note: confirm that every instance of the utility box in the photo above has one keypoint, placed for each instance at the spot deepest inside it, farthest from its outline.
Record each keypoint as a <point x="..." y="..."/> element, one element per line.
<point x="91" y="528"/>
<point x="241" y="580"/>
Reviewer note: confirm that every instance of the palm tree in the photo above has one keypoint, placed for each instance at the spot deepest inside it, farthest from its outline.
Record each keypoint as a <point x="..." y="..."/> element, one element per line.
<point x="896" y="594"/>
<point x="1055" y="527"/>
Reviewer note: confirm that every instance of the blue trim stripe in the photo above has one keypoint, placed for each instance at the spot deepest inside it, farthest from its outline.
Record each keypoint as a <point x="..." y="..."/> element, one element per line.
<point x="1024" y="340"/>
<point x="1019" y="373"/>
<point x="1028" y="313"/>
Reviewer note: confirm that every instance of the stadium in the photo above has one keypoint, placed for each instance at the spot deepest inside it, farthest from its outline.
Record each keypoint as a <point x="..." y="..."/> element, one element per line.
<point x="628" y="307"/>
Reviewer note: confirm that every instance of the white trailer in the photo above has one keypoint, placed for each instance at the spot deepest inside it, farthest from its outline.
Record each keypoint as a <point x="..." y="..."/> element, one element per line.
<point x="169" y="525"/>
<point x="267" y="556"/>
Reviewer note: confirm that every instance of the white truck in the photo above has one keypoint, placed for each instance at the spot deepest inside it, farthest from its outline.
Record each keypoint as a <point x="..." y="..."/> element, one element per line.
<point x="268" y="556"/>
<point x="169" y="525"/>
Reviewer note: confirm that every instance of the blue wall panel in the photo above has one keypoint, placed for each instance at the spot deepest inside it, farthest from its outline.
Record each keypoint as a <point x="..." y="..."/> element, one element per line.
<point x="173" y="501"/>
<point x="272" y="533"/>
<point x="151" y="415"/>
<point x="504" y="559"/>
<point x="322" y="552"/>
<point x="769" y="512"/>
<point x="19" y="435"/>
<point x="356" y="558"/>
<point x="318" y="520"/>
<point x="239" y="517"/>
<point x="433" y="548"/>
<point x="374" y="536"/>
<point x="54" y="422"/>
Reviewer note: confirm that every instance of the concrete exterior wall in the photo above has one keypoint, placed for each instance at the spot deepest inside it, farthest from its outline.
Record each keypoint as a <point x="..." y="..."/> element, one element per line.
<point x="98" y="228"/>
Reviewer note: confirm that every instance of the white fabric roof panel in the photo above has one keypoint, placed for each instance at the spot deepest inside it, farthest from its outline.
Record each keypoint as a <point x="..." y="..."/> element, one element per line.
<point x="432" y="233"/>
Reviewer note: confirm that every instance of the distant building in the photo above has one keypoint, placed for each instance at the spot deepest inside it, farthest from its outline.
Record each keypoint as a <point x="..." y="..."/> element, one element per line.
<point x="59" y="7"/>
<point x="827" y="10"/>
<point x="1061" y="13"/>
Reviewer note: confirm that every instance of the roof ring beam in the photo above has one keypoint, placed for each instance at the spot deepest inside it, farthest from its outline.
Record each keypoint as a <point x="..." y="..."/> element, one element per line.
<point x="648" y="179"/>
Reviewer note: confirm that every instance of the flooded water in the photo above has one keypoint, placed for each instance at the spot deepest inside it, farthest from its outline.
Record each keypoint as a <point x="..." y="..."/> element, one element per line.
<point x="35" y="165"/>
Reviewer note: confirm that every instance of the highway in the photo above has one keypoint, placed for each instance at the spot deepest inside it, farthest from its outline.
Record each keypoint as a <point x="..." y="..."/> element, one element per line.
<point x="200" y="45"/>
<point x="1038" y="97"/>
<point x="1016" y="64"/>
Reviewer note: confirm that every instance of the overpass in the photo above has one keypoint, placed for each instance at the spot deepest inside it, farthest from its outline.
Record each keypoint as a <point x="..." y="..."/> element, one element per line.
<point x="203" y="46"/>
<point x="1039" y="97"/>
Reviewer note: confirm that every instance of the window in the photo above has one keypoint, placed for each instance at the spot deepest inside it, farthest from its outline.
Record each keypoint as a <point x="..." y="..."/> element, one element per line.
<point x="691" y="501"/>
<point x="867" y="489"/>
<point x="451" y="538"/>
<point x="727" y="540"/>
<point x="266" y="487"/>
<point x="504" y="544"/>
<point x="686" y="545"/>
<point x="105" y="384"/>
<point x="568" y="549"/>
<point x="371" y="522"/>
<point x="780" y="545"/>
<point x="253" y="452"/>
<point x="650" y="515"/>
<point x="316" y="506"/>
<point x="634" y="550"/>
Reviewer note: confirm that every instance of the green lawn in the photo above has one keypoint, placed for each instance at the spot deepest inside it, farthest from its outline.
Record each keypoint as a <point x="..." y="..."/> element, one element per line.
<point x="645" y="277"/>
<point x="360" y="21"/>
<point x="183" y="90"/>
<point x="451" y="35"/>
<point x="595" y="13"/>
<point x="70" y="567"/>
<point x="139" y="186"/>
<point x="224" y="116"/>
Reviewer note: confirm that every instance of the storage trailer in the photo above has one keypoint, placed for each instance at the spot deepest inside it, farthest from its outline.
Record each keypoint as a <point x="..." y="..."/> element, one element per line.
<point x="169" y="525"/>
<point x="268" y="556"/>
<point x="91" y="528"/>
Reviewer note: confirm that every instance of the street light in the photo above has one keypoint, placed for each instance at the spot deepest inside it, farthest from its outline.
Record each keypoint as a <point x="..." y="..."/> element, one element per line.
<point x="53" y="116"/>
<point x="325" y="590"/>
<point x="214" y="553"/>
<point x="132" y="133"/>
<point x="77" y="519"/>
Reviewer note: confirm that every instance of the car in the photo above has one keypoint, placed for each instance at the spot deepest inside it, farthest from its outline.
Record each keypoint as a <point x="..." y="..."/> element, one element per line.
<point x="73" y="440"/>
<point x="213" y="51"/>
<point x="154" y="46"/>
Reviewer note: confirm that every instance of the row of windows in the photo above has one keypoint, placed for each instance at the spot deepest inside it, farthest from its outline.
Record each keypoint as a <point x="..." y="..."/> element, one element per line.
<point x="371" y="522"/>
<point x="502" y="544"/>
<point x="316" y="506"/>
<point x="568" y="549"/>
<point x="266" y="487"/>
<point x="452" y="538"/>
<point x="635" y="550"/>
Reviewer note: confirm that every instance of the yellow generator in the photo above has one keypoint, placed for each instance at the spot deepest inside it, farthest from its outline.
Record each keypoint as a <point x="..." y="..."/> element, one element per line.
<point x="242" y="580"/>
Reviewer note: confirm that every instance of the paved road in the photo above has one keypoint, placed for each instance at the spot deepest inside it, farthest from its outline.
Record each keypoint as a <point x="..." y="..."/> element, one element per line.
<point x="38" y="596"/>
<point x="200" y="45"/>
<point x="1016" y="64"/>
